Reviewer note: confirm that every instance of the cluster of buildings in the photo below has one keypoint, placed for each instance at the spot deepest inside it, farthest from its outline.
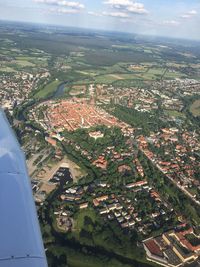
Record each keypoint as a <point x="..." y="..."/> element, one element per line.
<point x="62" y="176"/>
<point x="173" y="248"/>
<point x="171" y="92"/>
<point x="109" y="154"/>
<point x="48" y="178"/>
<point x="124" y="207"/>
<point x="14" y="89"/>
<point x="72" y="194"/>
<point x="128" y="208"/>
<point x="176" y="153"/>
<point x="137" y="205"/>
<point x="178" y="87"/>
<point x="64" y="220"/>
<point x="71" y="115"/>
<point x="167" y="93"/>
<point x="141" y="99"/>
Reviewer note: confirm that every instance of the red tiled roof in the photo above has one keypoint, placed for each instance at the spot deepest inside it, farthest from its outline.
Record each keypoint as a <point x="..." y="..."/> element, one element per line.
<point x="153" y="247"/>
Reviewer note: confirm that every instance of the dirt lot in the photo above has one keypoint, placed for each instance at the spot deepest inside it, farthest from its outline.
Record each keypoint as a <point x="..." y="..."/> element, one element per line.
<point x="47" y="173"/>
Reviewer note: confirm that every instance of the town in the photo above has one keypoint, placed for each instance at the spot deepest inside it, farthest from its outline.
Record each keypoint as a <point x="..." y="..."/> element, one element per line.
<point x="110" y="132"/>
<point x="137" y="205"/>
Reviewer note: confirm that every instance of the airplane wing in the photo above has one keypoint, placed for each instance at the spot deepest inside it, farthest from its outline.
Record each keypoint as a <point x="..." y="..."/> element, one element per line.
<point x="20" y="237"/>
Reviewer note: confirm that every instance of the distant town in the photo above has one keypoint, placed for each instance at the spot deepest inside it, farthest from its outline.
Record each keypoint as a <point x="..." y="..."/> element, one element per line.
<point x="112" y="147"/>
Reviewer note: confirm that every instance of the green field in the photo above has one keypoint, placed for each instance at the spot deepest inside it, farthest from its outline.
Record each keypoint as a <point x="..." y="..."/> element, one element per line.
<point x="7" y="69"/>
<point x="28" y="61"/>
<point x="176" y="114"/>
<point x="91" y="262"/>
<point x="195" y="108"/>
<point x="79" y="224"/>
<point x="107" y="78"/>
<point x="47" y="90"/>
<point x="174" y="75"/>
<point x="24" y="63"/>
<point x="80" y="258"/>
<point x="24" y="58"/>
<point x="150" y="74"/>
<point x="88" y="72"/>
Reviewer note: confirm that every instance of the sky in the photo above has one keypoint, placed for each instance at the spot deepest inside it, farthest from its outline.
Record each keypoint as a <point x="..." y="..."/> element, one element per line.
<point x="173" y="18"/>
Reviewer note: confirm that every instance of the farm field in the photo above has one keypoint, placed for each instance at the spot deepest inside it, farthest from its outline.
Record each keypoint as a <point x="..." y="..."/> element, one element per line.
<point x="195" y="108"/>
<point x="47" y="90"/>
<point x="176" y="114"/>
<point x="7" y="69"/>
<point x="116" y="73"/>
<point x="24" y="63"/>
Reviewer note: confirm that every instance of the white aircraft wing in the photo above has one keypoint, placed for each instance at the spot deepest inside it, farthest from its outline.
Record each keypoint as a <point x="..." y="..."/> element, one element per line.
<point x="20" y="237"/>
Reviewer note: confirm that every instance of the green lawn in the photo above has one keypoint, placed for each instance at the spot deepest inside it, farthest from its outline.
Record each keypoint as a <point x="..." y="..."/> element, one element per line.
<point x="117" y="72"/>
<point x="77" y="262"/>
<point x="107" y="79"/>
<point x="91" y="262"/>
<point x="195" y="108"/>
<point x="24" y="63"/>
<point x="47" y="90"/>
<point x="151" y="74"/>
<point x="176" y="114"/>
<point x="77" y="258"/>
<point x="79" y="219"/>
<point x="87" y="72"/>
<point x="114" y="77"/>
<point x="126" y="83"/>
<point x="7" y="69"/>
<point x="24" y="58"/>
<point x="173" y="75"/>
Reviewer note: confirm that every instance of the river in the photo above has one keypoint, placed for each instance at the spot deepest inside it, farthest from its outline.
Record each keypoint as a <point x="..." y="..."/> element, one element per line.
<point x="60" y="91"/>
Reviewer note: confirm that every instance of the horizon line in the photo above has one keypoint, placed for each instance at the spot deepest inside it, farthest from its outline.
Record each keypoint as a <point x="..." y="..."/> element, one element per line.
<point x="100" y="30"/>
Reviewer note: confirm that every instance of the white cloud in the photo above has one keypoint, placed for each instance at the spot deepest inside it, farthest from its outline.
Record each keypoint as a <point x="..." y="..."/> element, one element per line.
<point x="171" y="22"/>
<point x="92" y="13"/>
<point x="73" y="5"/>
<point x="116" y="14"/>
<point x="192" y="12"/>
<point x="127" y="6"/>
<point x="189" y="14"/>
<point x="66" y="11"/>
<point x="109" y="14"/>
